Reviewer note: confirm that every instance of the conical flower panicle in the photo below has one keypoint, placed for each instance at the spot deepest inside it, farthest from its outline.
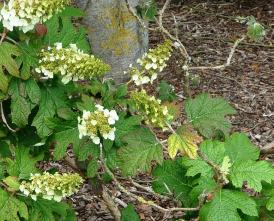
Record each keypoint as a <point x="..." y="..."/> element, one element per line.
<point x="151" y="64"/>
<point x="51" y="186"/>
<point x="151" y="109"/>
<point x="98" y="123"/>
<point x="25" y="14"/>
<point x="71" y="63"/>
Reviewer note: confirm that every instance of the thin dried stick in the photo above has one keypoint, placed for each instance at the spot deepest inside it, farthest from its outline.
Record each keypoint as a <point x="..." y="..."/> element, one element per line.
<point x="228" y="61"/>
<point x="139" y="198"/>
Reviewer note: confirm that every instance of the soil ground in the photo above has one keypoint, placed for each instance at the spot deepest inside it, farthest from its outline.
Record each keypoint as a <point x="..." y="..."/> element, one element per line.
<point x="208" y="29"/>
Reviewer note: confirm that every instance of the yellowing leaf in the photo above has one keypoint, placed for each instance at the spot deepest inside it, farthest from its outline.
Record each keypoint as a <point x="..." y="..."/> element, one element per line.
<point x="184" y="140"/>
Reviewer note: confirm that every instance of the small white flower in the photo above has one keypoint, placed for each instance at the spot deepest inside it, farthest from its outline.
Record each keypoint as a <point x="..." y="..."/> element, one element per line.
<point x="135" y="77"/>
<point x="96" y="140"/>
<point x="57" y="198"/>
<point x="93" y="122"/>
<point x="58" y="45"/>
<point x="153" y="77"/>
<point x="113" y="114"/>
<point x="99" y="107"/>
<point x="145" y="80"/>
<point x="106" y="112"/>
<point x="148" y="66"/>
<point x="86" y="114"/>
<point x="34" y="197"/>
<point x="111" y="135"/>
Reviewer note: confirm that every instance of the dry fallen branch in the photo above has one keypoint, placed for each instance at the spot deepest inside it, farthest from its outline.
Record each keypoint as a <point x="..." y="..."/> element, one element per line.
<point x="139" y="198"/>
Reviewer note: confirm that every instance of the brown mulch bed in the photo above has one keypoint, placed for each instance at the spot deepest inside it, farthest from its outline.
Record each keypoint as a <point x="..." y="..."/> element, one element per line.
<point x="208" y="29"/>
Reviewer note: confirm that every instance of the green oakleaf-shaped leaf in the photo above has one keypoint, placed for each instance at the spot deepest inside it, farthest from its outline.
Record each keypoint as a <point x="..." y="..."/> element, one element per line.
<point x="185" y="140"/>
<point x="28" y="57"/>
<point x="51" y="100"/>
<point x="125" y="126"/>
<point x="129" y="214"/>
<point x="23" y="164"/>
<point x="239" y="148"/>
<point x="21" y="106"/>
<point x="61" y="29"/>
<point x="11" y="209"/>
<point x="225" y="204"/>
<point x="63" y="139"/>
<point x="253" y="173"/>
<point x="49" y="210"/>
<point x="213" y="150"/>
<point x="197" y="166"/>
<point x="142" y="148"/>
<point x="170" y="179"/>
<point x="7" y="62"/>
<point x="208" y="114"/>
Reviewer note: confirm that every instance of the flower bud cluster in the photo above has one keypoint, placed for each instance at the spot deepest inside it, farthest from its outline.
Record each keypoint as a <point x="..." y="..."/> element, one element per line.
<point x="25" y="14"/>
<point x="71" y="63"/>
<point x="151" y="109"/>
<point x="99" y="122"/>
<point x="151" y="64"/>
<point x="51" y="186"/>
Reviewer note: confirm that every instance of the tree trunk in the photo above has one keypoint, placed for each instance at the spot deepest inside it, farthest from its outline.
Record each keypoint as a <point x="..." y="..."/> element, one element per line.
<point x="114" y="33"/>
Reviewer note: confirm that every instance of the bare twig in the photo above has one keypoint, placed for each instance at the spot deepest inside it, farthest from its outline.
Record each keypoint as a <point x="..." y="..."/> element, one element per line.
<point x="268" y="148"/>
<point x="226" y="64"/>
<point x="3" y="35"/>
<point x="162" y="11"/>
<point x="139" y="198"/>
<point x="141" y="22"/>
<point x="111" y="205"/>
<point x="148" y="189"/>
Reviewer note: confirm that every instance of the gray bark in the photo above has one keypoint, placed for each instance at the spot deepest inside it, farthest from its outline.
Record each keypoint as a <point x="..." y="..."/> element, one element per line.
<point x="114" y="33"/>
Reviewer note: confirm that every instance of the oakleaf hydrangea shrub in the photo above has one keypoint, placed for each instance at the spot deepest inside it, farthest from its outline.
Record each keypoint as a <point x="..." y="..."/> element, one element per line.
<point x="53" y="96"/>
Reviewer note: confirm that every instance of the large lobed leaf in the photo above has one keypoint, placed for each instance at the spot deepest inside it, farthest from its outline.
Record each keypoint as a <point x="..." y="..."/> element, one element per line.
<point x="23" y="164"/>
<point x="185" y="140"/>
<point x="129" y="214"/>
<point x="7" y="62"/>
<point x="239" y="148"/>
<point x="208" y="114"/>
<point x="61" y="29"/>
<point x="11" y="209"/>
<point x="51" y="100"/>
<point x="225" y="204"/>
<point x="25" y="95"/>
<point x="49" y="210"/>
<point x="170" y="178"/>
<point x="253" y="173"/>
<point x="142" y="148"/>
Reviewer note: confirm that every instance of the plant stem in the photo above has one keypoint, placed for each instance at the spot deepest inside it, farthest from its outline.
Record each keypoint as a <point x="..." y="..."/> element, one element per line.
<point x="3" y="36"/>
<point x="4" y="118"/>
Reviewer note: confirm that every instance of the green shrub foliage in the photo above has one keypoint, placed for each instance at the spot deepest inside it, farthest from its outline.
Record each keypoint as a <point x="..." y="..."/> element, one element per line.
<point x="53" y="97"/>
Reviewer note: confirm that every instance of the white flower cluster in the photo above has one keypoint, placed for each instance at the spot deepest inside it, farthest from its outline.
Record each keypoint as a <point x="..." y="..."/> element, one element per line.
<point x="51" y="186"/>
<point x="25" y="14"/>
<point x="94" y="124"/>
<point x="72" y="63"/>
<point x="151" y="109"/>
<point x="151" y="64"/>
